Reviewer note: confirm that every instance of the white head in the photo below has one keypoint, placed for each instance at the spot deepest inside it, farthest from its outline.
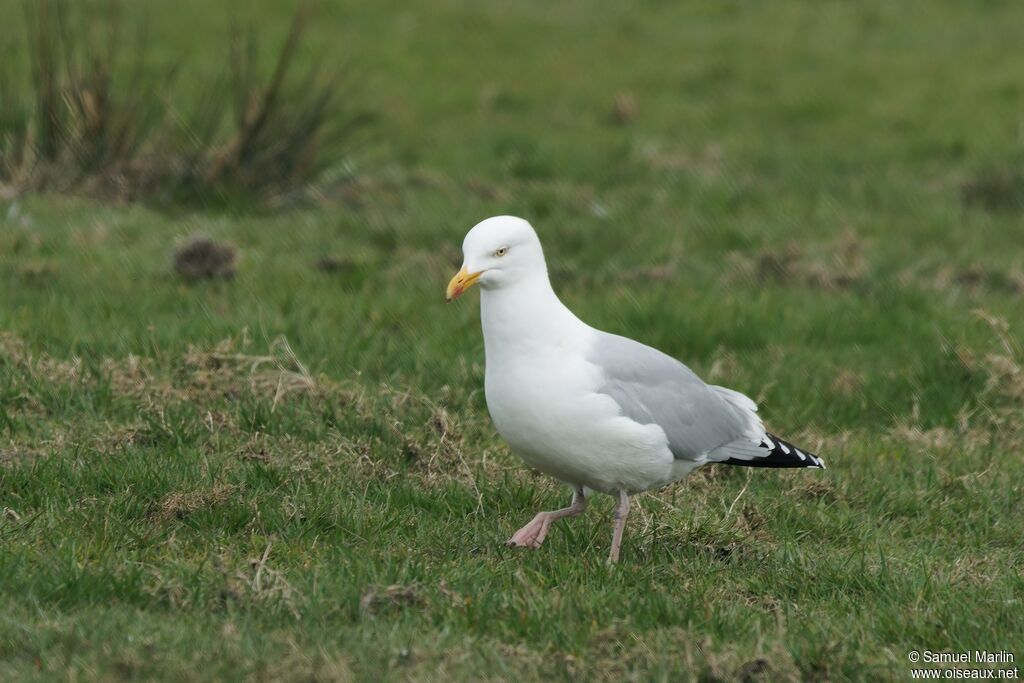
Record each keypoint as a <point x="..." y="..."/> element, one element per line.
<point x="498" y="252"/>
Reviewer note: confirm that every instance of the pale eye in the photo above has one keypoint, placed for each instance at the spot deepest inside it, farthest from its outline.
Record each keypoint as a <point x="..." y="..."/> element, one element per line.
<point x="501" y="252"/>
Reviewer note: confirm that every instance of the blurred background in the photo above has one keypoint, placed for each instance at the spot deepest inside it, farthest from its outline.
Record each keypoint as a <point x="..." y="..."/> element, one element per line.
<point x="225" y="231"/>
<point x="787" y="167"/>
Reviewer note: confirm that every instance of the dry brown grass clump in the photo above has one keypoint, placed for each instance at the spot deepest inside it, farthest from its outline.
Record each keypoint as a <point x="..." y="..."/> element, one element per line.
<point x="624" y="109"/>
<point x="974" y="278"/>
<point x="227" y="370"/>
<point x="1004" y="366"/>
<point x="181" y="504"/>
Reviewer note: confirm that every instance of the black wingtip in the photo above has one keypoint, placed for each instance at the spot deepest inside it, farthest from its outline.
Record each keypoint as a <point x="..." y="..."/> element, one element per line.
<point x="780" y="453"/>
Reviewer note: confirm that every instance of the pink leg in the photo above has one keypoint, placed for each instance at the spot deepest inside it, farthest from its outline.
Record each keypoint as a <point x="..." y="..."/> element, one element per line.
<point x="532" y="535"/>
<point x="621" y="510"/>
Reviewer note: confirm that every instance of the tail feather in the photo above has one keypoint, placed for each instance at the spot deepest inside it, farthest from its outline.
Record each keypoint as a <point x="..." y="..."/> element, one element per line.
<point x="779" y="453"/>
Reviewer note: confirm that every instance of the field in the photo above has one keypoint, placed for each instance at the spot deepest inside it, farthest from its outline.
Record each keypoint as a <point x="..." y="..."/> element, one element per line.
<point x="291" y="474"/>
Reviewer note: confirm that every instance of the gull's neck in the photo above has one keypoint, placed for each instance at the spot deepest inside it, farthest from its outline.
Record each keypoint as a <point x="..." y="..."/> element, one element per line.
<point x="526" y="317"/>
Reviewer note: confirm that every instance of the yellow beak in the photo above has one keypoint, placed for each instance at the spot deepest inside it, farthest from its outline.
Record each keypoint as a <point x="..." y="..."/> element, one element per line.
<point x="462" y="281"/>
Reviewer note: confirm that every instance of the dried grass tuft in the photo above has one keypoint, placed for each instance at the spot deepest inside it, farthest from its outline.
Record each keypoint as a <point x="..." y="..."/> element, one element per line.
<point x="1004" y="382"/>
<point x="226" y="370"/>
<point x="847" y="383"/>
<point x="182" y="504"/>
<point x="624" y="109"/>
<point x="975" y="278"/>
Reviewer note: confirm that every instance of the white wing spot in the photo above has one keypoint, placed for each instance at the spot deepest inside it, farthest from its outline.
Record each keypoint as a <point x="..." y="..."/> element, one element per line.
<point x="800" y="453"/>
<point x="769" y="444"/>
<point x="784" y="447"/>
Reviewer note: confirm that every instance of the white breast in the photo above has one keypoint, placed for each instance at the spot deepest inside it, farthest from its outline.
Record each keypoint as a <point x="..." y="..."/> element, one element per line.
<point x="544" y="402"/>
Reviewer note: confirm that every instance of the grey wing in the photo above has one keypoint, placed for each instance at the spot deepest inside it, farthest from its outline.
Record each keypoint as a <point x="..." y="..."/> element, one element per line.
<point x="702" y="421"/>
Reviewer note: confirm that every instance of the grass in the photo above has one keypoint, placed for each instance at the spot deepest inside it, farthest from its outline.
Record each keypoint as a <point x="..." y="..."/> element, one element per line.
<point x="99" y="127"/>
<point x="290" y="474"/>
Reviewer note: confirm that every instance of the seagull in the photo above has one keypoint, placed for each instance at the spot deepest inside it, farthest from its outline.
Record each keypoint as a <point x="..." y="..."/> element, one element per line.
<point x="594" y="410"/>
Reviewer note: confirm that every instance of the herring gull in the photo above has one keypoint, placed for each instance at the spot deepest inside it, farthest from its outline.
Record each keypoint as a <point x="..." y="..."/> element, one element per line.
<point x="594" y="410"/>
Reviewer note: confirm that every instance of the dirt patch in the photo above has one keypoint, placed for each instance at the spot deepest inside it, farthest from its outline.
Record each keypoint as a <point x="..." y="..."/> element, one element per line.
<point x="201" y="258"/>
<point x="36" y="273"/>
<point x="755" y="670"/>
<point x="995" y="190"/>
<point x="335" y="265"/>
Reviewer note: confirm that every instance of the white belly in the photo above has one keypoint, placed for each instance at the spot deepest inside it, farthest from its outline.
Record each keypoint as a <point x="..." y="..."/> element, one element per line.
<point x="550" y="413"/>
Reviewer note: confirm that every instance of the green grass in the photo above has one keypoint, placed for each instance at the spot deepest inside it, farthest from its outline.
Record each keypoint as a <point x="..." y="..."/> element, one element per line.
<point x="783" y="212"/>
